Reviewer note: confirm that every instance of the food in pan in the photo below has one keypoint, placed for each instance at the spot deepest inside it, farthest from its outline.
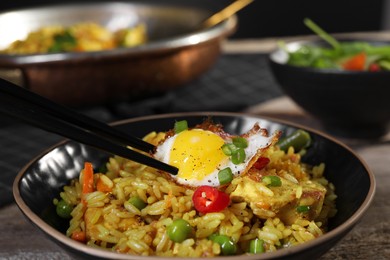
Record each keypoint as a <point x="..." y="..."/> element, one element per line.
<point x="79" y="37"/>
<point x="344" y="55"/>
<point x="247" y="194"/>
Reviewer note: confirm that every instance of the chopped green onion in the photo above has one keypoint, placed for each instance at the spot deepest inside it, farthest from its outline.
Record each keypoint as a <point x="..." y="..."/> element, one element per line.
<point x="299" y="139"/>
<point x="236" y="150"/>
<point x="239" y="156"/>
<point x="240" y="142"/>
<point x="137" y="202"/>
<point x="229" y="149"/>
<point x="225" y="176"/>
<point x="303" y="209"/>
<point x="180" y="126"/>
<point x="256" y="246"/>
<point x="272" y="181"/>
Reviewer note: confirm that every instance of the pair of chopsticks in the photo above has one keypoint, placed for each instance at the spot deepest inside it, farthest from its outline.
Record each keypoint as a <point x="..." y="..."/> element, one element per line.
<point x="38" y="111"/>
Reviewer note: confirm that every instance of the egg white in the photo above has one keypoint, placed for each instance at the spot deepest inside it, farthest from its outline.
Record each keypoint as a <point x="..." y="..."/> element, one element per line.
<point x="256" y="142"/>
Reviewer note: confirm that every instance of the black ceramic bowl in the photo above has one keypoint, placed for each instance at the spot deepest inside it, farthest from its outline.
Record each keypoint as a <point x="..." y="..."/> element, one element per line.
<point x="42" y="179"/>
<point x="348" y="103"/>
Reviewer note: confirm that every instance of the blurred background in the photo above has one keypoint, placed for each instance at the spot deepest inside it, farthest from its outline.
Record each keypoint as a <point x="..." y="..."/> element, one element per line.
<point x="242" y="74"/>
<point x="280" y="17"/>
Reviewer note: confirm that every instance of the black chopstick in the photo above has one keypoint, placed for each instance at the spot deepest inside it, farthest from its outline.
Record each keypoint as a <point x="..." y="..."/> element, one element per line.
<point x="76" y="118"/>
<point x="38" y="111"/>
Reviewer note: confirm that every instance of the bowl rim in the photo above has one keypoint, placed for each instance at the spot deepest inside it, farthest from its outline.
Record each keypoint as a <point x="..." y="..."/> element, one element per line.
<point x="219" y="31"/>
<point x="96" y="252"/>
<point x="278" y="56"/>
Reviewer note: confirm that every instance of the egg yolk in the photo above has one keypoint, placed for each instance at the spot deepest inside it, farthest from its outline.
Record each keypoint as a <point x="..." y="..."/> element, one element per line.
<point x="197" y="153"/>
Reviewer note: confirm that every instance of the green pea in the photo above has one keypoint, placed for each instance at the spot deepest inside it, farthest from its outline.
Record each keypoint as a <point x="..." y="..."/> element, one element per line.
<point x="64" y="209"/>
<point x="228" y="247"/>
<point x="256" y="246"/>
<point x="137" y="202"/>
<point x="179" y="230"/>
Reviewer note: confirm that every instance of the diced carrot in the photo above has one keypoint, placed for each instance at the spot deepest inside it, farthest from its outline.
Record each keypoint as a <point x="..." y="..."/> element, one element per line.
<point x="356" y="62"/>
<point x="79" y="236"/>
<point x="87" y="180"/>
<point x="101" y="186"/>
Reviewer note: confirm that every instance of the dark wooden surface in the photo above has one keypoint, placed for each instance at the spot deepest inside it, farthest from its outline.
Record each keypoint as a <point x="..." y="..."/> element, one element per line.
<point x="370" y="239"/>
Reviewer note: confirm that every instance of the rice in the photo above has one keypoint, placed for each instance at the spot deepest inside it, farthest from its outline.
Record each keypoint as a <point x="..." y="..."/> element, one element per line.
<point x="112" y="223"/>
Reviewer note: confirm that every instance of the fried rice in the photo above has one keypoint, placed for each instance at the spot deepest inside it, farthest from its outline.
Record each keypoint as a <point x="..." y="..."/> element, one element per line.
<point x="112" y="223"/>
<point x="79" y="37"/>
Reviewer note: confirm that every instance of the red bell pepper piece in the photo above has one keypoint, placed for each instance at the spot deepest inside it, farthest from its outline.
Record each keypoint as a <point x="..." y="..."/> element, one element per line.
<point x="261" y="163"/>
<point x="208" y="199"/>
<point x="356" y="62"/>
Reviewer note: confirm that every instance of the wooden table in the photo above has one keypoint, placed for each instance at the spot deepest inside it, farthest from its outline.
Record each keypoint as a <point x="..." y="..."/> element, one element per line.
<point x="370" y="239"/>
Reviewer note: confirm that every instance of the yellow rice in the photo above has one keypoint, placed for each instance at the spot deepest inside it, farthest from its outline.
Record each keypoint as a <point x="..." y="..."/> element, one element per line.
<point x="88" y="36"/>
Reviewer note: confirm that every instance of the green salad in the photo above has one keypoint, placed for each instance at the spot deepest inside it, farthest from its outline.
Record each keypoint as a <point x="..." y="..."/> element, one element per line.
<point x="346" y="55"/>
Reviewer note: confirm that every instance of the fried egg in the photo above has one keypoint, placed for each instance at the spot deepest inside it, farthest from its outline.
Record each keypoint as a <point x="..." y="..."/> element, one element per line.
<point x="198" y="155"/>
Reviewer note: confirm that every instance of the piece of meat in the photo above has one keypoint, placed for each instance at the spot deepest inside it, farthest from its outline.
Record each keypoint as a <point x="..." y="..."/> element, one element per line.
<point x="282" y="201"/>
